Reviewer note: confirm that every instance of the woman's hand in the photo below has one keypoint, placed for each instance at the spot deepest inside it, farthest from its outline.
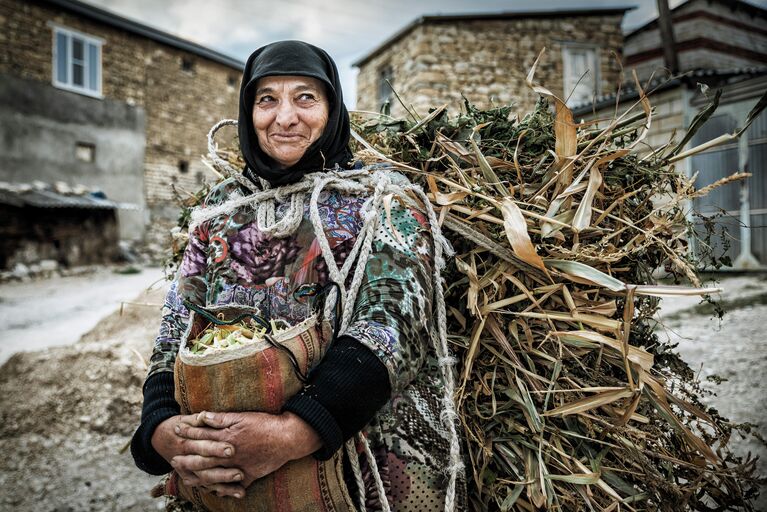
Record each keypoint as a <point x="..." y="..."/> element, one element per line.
<point x="262" y="444"/>
<point x="168" y="442"/>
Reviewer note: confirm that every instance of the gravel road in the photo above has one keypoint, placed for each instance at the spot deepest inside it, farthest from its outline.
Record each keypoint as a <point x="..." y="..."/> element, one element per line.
<point x="57" y="311"/>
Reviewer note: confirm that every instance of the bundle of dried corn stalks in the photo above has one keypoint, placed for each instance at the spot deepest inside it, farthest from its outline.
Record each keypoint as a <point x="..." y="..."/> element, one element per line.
<point x="567" y="397"/>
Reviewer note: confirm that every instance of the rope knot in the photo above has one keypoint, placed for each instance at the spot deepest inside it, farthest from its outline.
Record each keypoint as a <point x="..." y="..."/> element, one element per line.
<point x="448" y="415"/>
<point x="447" y="361"/>
<point x="454" y="468"/>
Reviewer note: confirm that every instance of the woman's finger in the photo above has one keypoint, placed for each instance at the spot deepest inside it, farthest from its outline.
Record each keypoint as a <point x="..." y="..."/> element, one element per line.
<point x="233" y="490"/>
<point x="219" y="420"/>
<point x="198" y="462"/>
<point x="219" y="476"/>
<point x="191" y="419"/>
<point x="206" y="448"/>
<point x="199" y="433"/>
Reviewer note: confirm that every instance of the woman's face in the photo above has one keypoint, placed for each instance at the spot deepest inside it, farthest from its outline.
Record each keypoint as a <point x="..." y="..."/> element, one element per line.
<point x="289" y="113"/>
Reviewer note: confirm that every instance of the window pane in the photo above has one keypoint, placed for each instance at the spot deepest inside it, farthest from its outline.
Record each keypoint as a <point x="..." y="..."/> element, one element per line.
<point x="580" y="82"/>
<point x="385" y="81"/>
<point x="93" y="67"/>
<point x="77" y="74"/>
<point x="77" y="49"/>
<point x="61" y="57"/>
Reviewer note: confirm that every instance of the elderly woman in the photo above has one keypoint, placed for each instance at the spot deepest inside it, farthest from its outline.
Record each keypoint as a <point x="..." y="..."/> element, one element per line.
<point x="380" y="376"/>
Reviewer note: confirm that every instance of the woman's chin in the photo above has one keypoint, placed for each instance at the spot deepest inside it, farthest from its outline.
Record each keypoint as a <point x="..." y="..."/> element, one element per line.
<point x="288" y="161"/>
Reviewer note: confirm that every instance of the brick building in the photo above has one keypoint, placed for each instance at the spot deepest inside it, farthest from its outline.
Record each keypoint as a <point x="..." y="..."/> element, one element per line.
<point x="89" y="97"/>
<point x="486" y="57"/>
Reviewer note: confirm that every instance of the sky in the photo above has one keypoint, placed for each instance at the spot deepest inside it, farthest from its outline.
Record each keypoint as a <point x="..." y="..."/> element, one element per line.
<point x="346" y="29"/>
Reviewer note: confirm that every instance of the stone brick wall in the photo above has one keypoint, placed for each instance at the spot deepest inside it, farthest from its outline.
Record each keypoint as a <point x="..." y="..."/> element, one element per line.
<point x="180" y="105"/>
<point x="486" y="60"/>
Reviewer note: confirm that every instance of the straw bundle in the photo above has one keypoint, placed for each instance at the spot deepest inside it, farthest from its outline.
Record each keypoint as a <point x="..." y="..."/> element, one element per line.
<point x="568" y="399"/>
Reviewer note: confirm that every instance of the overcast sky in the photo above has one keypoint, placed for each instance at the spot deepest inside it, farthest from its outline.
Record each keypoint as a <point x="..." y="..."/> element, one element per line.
<point x="347" y="29"/>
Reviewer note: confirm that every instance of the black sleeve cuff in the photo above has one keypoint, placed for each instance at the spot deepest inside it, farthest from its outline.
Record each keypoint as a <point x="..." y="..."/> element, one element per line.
<point x="159" y="405"/>
<point x="343" y="394"/>
<point x="313" y="412"/>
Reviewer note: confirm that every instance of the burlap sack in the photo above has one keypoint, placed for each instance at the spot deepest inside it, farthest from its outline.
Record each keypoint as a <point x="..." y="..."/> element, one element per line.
<point x="261" y="377"/>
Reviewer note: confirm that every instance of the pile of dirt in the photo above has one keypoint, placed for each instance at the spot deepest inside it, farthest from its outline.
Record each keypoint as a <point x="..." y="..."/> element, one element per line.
<point x="67" y="413"/>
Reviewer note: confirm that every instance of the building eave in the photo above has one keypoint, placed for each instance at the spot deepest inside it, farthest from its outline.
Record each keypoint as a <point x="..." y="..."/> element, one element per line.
<point x="134" y="27"/>
<point x="450" y="18"/>
<point x="753" y="10"/>
<point x="689" y="79"/>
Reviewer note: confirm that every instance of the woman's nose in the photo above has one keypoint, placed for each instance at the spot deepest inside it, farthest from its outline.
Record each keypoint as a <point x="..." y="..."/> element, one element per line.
<point x="286" y="114"/>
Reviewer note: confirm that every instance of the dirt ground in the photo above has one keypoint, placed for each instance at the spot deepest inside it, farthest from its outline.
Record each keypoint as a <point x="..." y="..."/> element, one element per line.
<point x="67" y="413"/>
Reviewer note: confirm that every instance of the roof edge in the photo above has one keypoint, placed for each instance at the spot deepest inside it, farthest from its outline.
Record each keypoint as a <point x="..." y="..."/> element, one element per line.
<point x="115" y="20"/>
<point x="754" y="10"/>
<point x="506" y="15"/>
<point x="689" y="79"/>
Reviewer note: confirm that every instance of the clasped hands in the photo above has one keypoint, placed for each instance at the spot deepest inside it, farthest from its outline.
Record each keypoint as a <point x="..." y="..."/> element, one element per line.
<point x="224" y="452"/>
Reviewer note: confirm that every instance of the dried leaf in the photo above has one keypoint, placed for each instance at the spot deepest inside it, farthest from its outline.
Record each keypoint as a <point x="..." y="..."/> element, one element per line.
<point x="590" y="402"/>
<point x="590" y="274"/>
<point x="516" y="231"/>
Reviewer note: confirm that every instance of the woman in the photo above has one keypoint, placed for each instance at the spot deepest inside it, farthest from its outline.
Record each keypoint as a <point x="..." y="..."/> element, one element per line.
<point x="380" y="376"/>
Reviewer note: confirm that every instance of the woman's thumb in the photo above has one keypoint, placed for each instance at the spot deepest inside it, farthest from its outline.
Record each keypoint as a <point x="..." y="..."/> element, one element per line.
<point x="216" y="420"/>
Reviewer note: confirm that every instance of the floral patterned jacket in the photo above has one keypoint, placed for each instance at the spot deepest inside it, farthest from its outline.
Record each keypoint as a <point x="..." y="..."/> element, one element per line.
<point x="229" y="261"/>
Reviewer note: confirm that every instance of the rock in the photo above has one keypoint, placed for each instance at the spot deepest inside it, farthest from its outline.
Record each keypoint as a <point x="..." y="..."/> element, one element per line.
<point x="126" y="252"/>
<point x="62" y="188"/>
<point x="20" y="271"/>
<point x="49" y="265"/>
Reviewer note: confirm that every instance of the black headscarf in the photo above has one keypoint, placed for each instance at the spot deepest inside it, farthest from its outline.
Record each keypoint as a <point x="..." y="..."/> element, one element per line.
<point x="332" y="147"/>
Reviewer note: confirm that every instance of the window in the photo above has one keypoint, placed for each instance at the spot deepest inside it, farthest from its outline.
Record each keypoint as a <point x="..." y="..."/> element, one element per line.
<point x="77" y="61"/>
<point x="581" y="73"/>
<point x="187" y="65"/>
<point x="385" y="86"/>
<point x="183" y="166"/>
<point x="85" y="151"/>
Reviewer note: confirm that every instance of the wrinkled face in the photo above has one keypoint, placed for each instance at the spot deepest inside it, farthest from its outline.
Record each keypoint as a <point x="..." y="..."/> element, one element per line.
<point x="289" y="113"/>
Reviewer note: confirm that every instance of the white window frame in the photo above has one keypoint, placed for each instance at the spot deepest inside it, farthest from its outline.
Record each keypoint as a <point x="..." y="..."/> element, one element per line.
<point x="568" y="86"/>
<point x="385" y="72"/>
<point x="88" y="40"/>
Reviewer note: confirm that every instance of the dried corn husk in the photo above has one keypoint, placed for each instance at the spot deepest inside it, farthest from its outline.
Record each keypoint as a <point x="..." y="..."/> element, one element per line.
<point x="568" y="398"/>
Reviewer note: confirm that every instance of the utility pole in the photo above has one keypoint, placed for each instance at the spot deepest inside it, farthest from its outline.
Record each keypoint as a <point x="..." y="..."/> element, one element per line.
<point x="667" y="37"/>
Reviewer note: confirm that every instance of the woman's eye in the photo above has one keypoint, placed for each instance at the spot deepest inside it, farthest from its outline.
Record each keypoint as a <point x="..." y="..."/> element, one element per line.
<point x="264" y="99"/>
<point x="306" y="97"/>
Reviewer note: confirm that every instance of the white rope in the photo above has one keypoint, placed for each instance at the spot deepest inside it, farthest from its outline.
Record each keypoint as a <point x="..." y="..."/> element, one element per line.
<point x="449" y="415"/>
<point x="370" y="222"/>
<point x="351" y="453"/>
<point x="355" y="182"/>
<point x="222" y="165"/>
<point x="385" y="507"/>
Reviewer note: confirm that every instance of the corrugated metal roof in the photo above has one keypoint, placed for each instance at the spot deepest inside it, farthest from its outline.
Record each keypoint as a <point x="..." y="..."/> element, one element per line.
<point x="629" y="91"/>
<point x="37" y="198"/>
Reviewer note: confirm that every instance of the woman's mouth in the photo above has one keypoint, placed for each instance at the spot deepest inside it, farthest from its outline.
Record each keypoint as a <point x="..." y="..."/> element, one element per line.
<point x="287" y="136"/>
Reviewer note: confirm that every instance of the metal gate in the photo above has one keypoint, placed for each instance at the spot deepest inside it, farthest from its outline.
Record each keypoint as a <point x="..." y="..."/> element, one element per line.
<point x="740" y="208"/>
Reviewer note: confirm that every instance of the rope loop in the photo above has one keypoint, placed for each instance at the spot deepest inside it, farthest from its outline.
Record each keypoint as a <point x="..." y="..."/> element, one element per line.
<point x="382" y="183"/>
